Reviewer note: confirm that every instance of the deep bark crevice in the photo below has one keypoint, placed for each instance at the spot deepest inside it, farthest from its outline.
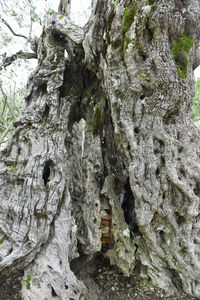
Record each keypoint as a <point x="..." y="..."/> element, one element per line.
<point x="46" y="112"/>
<point x="46" y="172"/>
<point x="128" y="203"/>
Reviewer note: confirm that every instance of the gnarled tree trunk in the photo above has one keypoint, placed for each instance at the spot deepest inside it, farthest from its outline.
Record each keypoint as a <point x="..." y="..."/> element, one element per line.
<point x="105" y="157"/>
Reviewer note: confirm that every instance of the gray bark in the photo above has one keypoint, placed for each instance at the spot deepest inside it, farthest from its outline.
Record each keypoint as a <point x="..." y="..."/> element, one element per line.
<point x="127" y="185"/>
<point x="64" y="7"/>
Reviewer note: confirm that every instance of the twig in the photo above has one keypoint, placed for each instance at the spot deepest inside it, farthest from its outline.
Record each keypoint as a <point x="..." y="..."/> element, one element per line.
<point x="9" y="27"/>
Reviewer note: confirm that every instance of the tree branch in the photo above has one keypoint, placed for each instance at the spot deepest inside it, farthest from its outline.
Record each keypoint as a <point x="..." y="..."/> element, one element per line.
<point x="9" y="27"/>
<point x="20" y="54"/>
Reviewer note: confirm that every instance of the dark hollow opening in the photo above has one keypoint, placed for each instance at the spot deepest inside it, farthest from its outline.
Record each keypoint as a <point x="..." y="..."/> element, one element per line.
<point x="67" y="142"/>
<point x="53" y="292"/>
<point x="46" y="112"/>
<point x="42" y="88"/>
<point x="162" y="161"/>
<point x="157" y="172"/>
<point x="182" y="172"/>
<point x="197" y="190"/>
<point x="128" y="203"/>
<point x="162" y="236"/>
<point x="180" y="149"/>
<point x="58" y="38"/>
<point x="180" y="219"/>
<point x="46" y="173"/>
<point x="136" y="130"/>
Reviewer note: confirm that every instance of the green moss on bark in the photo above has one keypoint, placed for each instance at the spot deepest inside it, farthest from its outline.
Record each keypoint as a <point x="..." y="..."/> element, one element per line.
<point x="3" y="239"/>
<point x="127" y="42"/>
<point x="151" y="2"/>
<point x="128" y="19"/>
<point x="180" y="51"/>
<point x="11" y="168"/>
<point x="28" y="282"/>
<point x="4" y="236"/>
<point x="97" y="121"/>
<point x="129" y="15"/>
<point x="41" y="215"/>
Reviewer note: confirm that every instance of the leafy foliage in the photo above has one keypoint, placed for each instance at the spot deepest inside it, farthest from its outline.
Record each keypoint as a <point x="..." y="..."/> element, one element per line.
<point x="11" y="99"/>
<point x="23" y="19"/>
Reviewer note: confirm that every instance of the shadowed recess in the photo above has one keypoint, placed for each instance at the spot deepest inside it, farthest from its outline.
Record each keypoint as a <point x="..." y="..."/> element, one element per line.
<point x="46" y="172"/>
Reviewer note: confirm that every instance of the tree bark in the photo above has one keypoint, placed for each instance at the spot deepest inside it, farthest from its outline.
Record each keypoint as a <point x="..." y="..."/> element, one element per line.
<point x="64" y="7"/>
<point x="105" y="157"/>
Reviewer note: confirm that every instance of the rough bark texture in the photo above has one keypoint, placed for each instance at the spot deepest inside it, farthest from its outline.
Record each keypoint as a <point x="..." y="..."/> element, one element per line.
<point x="105" y="157"/>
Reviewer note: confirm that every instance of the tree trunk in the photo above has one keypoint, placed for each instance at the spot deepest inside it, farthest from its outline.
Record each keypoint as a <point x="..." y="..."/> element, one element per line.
<point x="105" y="157"/>
<point x="64" y="7"/>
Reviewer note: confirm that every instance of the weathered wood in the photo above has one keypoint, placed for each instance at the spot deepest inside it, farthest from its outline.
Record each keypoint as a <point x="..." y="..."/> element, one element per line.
<point x="64" y="7"/>
<point x="133" y="168"/>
